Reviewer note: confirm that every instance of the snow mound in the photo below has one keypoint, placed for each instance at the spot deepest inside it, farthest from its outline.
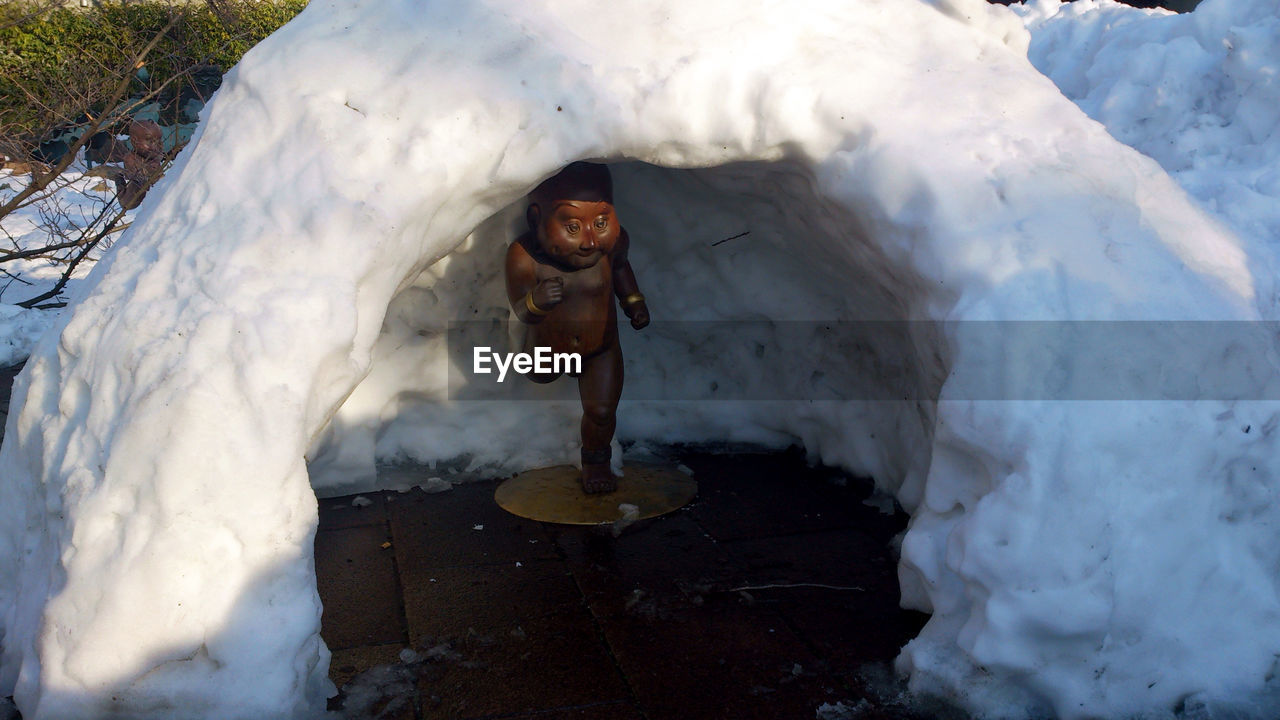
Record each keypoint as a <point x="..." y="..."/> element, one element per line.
<point x="349" y="197"/>
<point x="1199" y="92"/>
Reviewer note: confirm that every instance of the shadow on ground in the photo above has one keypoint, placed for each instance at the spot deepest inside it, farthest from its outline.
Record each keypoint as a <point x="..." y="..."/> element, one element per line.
<point x="774" y="595"/>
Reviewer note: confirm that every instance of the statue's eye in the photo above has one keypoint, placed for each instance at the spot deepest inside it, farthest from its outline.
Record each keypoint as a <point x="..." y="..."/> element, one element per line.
<point x="573" y="228"/>
<point x="602" y="222"/>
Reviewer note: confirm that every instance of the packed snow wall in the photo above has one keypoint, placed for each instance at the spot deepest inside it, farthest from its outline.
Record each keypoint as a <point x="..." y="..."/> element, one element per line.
<point x="895" y="160"/>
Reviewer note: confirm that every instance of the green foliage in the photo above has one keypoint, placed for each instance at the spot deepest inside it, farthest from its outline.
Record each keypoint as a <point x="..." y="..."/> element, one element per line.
<point x="63" y="63"/>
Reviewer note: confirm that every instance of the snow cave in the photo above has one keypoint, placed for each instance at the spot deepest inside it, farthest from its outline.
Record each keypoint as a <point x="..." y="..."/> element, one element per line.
<point x="279" y="321"/>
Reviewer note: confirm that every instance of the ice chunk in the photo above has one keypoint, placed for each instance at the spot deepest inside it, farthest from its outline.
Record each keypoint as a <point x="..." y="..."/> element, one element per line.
<point x="436" y="485"/>
<point x="628" y="514"/>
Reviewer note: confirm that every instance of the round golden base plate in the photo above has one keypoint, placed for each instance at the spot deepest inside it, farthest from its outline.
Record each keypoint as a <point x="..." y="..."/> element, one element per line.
<point x="554" y="495"/>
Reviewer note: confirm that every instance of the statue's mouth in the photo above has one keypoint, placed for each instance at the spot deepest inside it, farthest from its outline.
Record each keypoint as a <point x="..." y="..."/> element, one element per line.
<point x="586" y="258"/>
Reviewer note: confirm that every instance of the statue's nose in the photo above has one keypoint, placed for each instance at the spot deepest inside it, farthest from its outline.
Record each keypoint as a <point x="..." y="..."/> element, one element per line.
<point x="589" y="240"/>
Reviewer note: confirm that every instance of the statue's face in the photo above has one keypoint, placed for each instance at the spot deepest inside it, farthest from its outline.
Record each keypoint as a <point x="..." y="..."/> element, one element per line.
<point x="578" y="232"/>
<point x="146" y="138"/>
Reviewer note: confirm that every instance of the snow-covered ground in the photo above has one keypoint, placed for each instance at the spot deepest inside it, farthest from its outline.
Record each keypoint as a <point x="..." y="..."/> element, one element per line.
<point x="286" y="296"/>
<point x="72" y="202"/>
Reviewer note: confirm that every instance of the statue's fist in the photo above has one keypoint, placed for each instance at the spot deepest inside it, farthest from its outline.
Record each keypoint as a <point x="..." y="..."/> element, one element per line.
<point x="639" y="314"/>
<point x="549" y="293"/>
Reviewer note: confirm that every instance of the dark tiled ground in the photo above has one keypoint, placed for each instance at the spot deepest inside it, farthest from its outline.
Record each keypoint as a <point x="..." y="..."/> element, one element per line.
<point x="445" y="606"/>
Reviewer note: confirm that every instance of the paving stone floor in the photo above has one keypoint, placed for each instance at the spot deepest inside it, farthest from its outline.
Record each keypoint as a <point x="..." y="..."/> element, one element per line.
<point x="445" y="606"/>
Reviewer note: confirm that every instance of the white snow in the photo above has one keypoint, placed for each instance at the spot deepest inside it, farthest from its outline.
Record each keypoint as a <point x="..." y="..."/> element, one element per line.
<point x="70" y="203"/>
<point x="1161" y="592"/>
<point x="284" y="296"/>
<point x="1199" y="92"/>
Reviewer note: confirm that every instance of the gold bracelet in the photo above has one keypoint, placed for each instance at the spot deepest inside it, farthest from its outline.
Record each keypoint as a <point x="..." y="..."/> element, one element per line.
<point x="632" y="299"/>
<point x="528" y="302"/>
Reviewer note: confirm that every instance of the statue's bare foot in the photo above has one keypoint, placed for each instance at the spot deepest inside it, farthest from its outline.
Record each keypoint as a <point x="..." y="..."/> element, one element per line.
<point x="597" y="479"/>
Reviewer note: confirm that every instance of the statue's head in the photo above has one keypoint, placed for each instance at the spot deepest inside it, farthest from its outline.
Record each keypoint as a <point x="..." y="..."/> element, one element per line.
<point x="571" y="214"/>
<point x="146" y="137"/>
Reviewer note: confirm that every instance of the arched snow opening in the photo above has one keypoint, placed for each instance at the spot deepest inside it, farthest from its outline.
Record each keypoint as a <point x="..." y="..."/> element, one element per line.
<point x="156" y="514"/>
<point x="767" y="299"/>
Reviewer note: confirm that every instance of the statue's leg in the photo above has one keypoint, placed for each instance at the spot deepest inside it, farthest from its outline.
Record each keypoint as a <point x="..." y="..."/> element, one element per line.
<point x="600" y="386"/>
<point x="543" y="378"/>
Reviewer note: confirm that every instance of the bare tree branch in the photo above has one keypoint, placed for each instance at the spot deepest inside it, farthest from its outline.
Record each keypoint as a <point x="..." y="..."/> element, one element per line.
<point x="86" y="248"/>
<point x="38" y="181"/>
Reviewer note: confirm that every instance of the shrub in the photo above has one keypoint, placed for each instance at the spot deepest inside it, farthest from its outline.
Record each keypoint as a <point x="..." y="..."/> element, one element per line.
<point x="62" y="65"/>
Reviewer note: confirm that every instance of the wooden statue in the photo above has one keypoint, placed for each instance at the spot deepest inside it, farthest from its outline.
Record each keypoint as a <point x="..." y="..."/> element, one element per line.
<point x="562" y="276"/>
